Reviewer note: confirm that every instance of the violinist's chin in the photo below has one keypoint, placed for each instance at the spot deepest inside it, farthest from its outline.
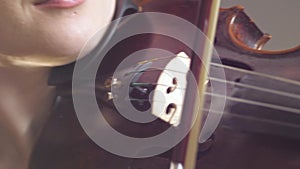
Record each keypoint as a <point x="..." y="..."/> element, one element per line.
<point x="49" y="32"/>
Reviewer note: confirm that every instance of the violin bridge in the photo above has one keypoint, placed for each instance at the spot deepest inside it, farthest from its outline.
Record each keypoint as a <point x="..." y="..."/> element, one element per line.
<point x="170" y="94"/>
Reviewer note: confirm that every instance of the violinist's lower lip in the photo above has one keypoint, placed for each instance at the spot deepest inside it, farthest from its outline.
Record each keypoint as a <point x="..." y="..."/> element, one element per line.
<point x="59" y="3"/>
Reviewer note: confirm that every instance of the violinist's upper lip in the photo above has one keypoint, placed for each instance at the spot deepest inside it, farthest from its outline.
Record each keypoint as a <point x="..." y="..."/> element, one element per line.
<point x="58" y="3"/>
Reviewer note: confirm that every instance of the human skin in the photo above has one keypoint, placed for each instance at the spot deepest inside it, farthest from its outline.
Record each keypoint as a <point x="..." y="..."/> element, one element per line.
<point x="48" y="36"/>
<point x="32" y="40"/>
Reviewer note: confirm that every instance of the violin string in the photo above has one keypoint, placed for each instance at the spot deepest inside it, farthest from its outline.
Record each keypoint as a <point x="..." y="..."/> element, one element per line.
<point x="256" y="103"/>
<point x="256" y="119"/>
<point x="240" y="100"/>
<point x="252" y="101"/>
<point x="154" y="60"/>
<point x="256" y="73"/>
<point x="136" y="84"/>
<point x="152" y="70"/>
<point x="278" y="78"/>
<point x="257" y="88"/>
<point x="145" y="100"/>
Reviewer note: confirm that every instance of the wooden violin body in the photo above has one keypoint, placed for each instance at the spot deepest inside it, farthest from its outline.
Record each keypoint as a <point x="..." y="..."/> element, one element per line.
<point x="250" y="135"/>
<point x="275" y="71"/>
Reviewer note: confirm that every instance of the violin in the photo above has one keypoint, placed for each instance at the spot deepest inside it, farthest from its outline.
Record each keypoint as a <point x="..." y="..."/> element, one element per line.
<point x="241" y="97"/>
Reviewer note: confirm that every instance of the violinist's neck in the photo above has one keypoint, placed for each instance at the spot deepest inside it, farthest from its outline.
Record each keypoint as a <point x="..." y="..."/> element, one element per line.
<point x="25" y="101"/>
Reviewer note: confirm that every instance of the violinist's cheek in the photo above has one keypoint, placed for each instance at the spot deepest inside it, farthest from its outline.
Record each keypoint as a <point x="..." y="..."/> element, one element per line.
<point x="49" y="32"/>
